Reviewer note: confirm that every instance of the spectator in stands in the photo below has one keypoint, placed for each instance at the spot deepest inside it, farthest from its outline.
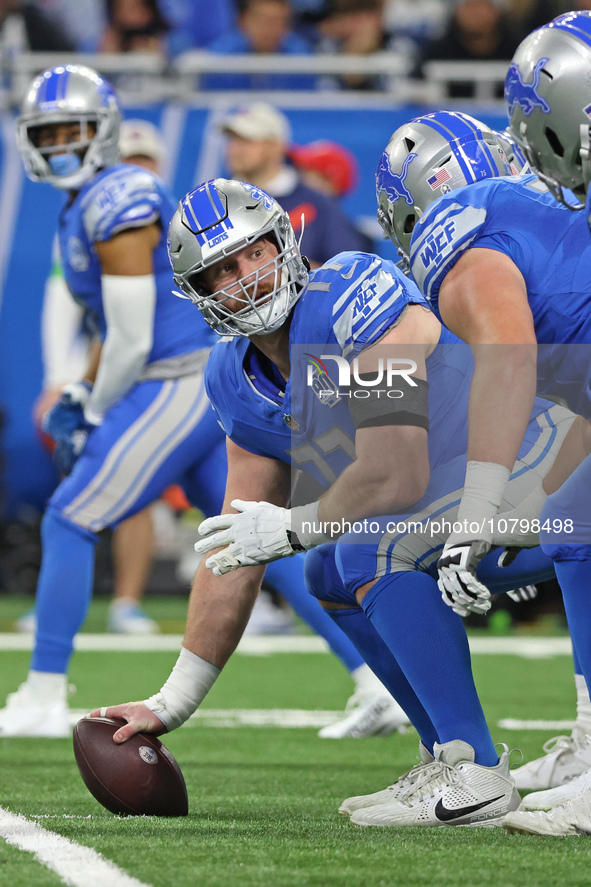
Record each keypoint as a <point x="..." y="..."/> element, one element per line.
<point x="194" y="24"/>
<point x="134" y="26"/>
<point x="528" y="15"/>
<point x="479" y="30"/>
<point x="83" y="21"/>
<point x="25" y="27"/>
<point x="357" y="27"/>
<point x="413" y="25"/>
<point x="256" y="151"/>
<point x="326" y="166"/>
<point x="263" y="27"/>
<point x="330" y="168"/>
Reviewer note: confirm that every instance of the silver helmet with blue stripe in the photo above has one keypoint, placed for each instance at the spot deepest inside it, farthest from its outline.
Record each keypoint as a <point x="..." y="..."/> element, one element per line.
<point x="69" y="126"/>
<point x="427" y="157"/>
<point x="211" y="224"/>
<point x="548" y="97"/>
<point x="515" y="157"/>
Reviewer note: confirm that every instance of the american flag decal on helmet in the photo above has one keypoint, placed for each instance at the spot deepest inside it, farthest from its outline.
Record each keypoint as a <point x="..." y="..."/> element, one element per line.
<point x="438" y="179"/>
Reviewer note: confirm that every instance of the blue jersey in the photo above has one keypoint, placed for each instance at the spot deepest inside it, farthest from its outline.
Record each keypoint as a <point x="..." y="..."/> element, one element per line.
<point x="348" y="305"/>
<point x="117" y="199"/>
<point x="551" y="247"/>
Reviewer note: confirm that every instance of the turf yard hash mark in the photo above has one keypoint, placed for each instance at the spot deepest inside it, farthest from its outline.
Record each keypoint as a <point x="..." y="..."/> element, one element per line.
<point x="77" y="866"/>
<point x="526" y="647"/>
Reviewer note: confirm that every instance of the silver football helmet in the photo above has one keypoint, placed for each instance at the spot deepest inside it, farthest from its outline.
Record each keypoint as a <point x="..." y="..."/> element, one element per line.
<point x="426" y="158"/>
<point x="216" y="220"/>
<point x="516" y="159"/>
<point x="69" y="94"/>
<point x="548" y="96"/>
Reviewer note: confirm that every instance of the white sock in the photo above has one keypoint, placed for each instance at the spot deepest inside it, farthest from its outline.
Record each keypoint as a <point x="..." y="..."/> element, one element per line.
<point x="583" y="722"/>
<point x="48" y="685"/>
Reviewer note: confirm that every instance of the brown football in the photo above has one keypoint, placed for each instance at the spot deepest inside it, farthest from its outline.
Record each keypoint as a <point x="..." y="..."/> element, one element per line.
<point x="139" y="777"/>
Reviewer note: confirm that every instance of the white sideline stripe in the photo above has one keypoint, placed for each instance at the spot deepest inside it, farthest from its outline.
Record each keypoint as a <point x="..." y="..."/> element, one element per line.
<point x="289" y="718"/>
<point x="76" y="865"/>
<point x="526" y="647"/>
<point x="515" y="724"/>
<point x="295" y="718"/>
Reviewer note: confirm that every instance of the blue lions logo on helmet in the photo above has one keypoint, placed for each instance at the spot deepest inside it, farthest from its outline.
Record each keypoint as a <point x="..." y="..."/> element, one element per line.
<point x="258" y="194"/>
<point x="518" y="92"/>
<point x="393" y="183"/>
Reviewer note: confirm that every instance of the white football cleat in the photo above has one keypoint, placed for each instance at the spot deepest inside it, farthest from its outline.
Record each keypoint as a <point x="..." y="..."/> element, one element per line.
<point x="27" y="622"/>
<point x="373" y="714"/>
<point x="267" y="618"/>
<point x="572" y="818"/>
<point x="390" y="794"/>
<point x="565" y="758"/>
<point x="562" y="794"/>
<point x="453" y="790"/>
<point x="28" y="714"/>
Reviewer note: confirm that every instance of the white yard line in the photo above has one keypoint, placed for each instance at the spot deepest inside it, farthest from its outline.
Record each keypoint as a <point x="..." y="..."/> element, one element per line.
<point x="516" y="724"/>
<point x="526" y="647"/>
<point x="77" y="866"/>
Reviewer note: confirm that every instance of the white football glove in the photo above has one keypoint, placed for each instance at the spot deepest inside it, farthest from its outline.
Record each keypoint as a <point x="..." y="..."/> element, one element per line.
<point x="460" y="589"/>
<point x="258" y="534"/>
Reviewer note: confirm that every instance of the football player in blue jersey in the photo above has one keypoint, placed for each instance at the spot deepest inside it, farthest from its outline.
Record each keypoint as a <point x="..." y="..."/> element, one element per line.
<point x="141" y="419"/>
<point x="554" y="131"/>
<point x="502" y="262"/>
<point x="235" y="255"/>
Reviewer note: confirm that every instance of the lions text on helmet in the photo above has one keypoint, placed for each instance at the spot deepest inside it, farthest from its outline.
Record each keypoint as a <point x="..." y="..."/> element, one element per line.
<point x="234" y="254"/>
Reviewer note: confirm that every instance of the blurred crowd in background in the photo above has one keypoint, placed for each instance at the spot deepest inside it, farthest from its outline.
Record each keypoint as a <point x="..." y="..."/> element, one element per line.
<point x="416" y="30"/>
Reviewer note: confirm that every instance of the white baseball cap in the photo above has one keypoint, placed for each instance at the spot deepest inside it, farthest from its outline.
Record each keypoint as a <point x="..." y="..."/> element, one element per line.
<point x="258" y="121"/>
<point x="141" y="137"/>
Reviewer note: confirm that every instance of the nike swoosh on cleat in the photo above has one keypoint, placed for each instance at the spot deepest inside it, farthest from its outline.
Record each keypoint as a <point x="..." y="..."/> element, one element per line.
<point x="445" y="815"/>
<point x="347" y="275"/>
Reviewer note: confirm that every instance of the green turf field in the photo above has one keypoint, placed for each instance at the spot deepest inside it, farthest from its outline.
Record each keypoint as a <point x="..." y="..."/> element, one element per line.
<point x="263" y="801"/>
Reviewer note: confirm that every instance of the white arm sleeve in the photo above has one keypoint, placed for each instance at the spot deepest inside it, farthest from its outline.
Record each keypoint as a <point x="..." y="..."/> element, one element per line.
<point x="129" y="304"/>
<point x="65" y="349"/>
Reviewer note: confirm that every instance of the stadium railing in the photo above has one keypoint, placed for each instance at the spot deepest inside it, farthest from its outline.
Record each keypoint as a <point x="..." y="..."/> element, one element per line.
<point x="148" y="78"/>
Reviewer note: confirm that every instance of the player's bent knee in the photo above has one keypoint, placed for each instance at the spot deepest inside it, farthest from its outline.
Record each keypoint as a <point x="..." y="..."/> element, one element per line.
<point x="54" y="522"/>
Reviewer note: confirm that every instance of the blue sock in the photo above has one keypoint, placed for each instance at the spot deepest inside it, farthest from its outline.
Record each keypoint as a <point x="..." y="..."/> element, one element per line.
<point x="358" y="628"/>
<point x="575" y="582"/>
<point x="287" y="578"/>
<point x="64" y="590"/>
<point x="429" y="642"/>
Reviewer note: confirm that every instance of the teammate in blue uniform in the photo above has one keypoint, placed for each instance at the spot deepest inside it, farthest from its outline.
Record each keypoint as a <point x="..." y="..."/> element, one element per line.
<point x="501" y="262"/>
<point x="142" y="419"/>
<point x="548" y="105"/>
<point x="234" y="253"/>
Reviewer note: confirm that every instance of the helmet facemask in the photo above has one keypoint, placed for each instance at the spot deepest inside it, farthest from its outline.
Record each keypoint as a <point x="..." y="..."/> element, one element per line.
<point x="239" y="308"/>
<point x="86" y="100"/>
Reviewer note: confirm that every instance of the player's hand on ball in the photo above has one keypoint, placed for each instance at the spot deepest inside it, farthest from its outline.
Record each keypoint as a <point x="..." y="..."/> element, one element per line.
<point x="140" y="719"/>
<point x="258" y="534"/>
<point x="459" y="586"/>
